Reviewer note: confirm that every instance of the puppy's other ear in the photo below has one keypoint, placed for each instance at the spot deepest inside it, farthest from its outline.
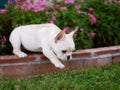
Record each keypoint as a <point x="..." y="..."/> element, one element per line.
<point x="73" y="32"/>
<point x="60" y="36"/>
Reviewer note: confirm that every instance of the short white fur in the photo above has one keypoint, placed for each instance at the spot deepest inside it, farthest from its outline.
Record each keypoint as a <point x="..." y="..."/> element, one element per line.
<point x="46" y="38"/>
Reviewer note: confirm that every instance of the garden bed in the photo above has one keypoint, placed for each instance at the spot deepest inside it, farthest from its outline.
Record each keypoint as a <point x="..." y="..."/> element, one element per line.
<point x="13" y="67"/>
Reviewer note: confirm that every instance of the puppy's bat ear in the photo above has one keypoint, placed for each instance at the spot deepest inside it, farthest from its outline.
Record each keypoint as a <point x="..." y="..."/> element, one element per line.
<point x="60" y="35"/>
<point x="73" y="32"/>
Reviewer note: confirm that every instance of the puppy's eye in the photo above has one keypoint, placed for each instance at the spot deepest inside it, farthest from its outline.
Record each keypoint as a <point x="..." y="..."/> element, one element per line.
<point x="64" y="51"/>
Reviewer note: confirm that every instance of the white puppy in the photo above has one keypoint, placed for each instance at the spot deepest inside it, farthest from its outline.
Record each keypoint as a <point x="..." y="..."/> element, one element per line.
<point x="48" y="38"/>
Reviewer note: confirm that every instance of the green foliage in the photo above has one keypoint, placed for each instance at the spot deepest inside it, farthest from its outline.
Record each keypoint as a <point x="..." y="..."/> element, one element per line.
<point x="106" y="78"/>
<point x="106" y="28"/>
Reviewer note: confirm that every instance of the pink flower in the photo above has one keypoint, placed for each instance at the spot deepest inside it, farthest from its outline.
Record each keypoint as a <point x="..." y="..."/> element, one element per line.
<point x="63" y="8"/>
<point x="56" y="6"/>
<point x="69" y="1"/>
<point x="3" y="40"/>
<point x="3" y="11"/>
<point x="77" y="7"/>
<point x="24" y="6"/>
<point x="47" y="13"/>
<point x="40" y="6"/>
<point x="37" y="7"/>
<point x="18" y="1"/>
<point x="53" y="19"/>
<point x="9" y="2"/>
<point x="93" y="19"/>
<point x="92" y="34"/>
<point x="66" y="29"/>
<point x="42" y="3"/>
<point x="28" y="1"/>
<point x="81" y="29"/>
<point x="90" y="9"/>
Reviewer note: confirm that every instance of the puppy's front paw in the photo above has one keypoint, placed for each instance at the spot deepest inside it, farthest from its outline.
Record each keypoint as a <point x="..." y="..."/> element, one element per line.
<point x="59" y="66"/>
<point x="21" y="54"/>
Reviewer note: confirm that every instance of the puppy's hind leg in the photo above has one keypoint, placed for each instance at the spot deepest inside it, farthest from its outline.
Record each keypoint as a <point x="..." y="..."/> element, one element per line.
<point x="15" y="40"/>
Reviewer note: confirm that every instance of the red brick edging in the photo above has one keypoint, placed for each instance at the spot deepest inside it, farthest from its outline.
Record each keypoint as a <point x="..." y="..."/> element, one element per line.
<point x="13" y="67"/>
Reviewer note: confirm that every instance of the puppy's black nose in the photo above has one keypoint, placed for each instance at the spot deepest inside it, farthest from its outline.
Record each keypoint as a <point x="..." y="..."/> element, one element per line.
<point x="68" y="57"/>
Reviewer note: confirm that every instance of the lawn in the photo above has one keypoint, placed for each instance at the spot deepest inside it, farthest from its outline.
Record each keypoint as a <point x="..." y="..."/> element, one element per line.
<point x="105" y="78"/>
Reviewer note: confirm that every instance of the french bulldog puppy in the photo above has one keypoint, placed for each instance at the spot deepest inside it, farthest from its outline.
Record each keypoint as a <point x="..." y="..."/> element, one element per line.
<point x="46" y="38"/>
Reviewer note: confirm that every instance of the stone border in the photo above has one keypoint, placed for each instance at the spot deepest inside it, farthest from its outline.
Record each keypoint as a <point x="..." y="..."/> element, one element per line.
<point x="13" y="67"/>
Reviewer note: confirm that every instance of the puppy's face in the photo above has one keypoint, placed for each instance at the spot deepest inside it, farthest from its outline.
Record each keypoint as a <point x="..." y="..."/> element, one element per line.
<point x="64" y="45"/>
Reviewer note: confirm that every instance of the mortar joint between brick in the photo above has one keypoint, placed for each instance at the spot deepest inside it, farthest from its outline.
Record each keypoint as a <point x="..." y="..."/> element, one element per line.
<point x="115" y="55"/>
<point x="82" y="63"/>
<point x="92" y="52"/>
<point x="27" y="70"/>
<point x="37" y="58"/>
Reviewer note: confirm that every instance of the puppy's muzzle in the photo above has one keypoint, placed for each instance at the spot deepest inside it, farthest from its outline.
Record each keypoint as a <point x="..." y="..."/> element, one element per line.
<point x="68" y="57"/>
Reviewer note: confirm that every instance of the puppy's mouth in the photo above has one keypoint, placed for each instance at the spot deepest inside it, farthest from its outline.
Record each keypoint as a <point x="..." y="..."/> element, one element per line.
<point x="65" y="58"/>
<point x="68" y="57"/>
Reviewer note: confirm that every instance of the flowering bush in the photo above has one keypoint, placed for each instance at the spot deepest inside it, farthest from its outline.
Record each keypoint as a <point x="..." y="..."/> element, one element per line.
<point x="98" y="22"/>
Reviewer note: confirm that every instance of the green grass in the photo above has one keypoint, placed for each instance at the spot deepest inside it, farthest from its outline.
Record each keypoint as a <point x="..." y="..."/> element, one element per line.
<point x="105" y="78"/>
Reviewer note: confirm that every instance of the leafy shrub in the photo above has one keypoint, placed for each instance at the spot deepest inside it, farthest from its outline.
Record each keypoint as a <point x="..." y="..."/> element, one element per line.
<point x="98" y="22"/>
